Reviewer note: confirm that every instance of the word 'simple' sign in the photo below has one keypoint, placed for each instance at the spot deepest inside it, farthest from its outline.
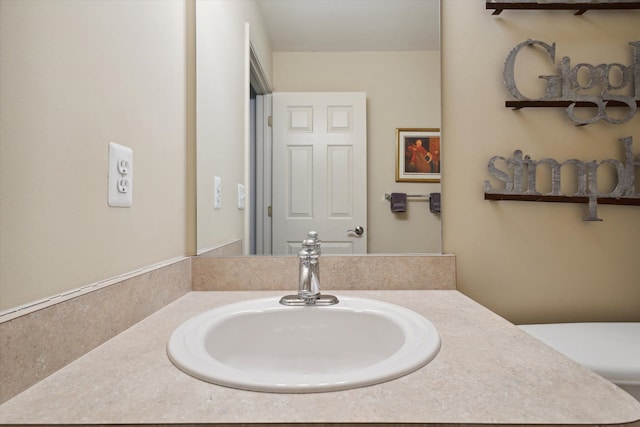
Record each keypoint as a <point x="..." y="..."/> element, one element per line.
<point x="519" y="173"/>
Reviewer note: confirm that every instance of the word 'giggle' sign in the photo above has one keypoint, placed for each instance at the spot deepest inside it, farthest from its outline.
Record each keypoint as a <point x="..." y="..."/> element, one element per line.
<point x="519" y="178"/>
<point x="615" y="82"/>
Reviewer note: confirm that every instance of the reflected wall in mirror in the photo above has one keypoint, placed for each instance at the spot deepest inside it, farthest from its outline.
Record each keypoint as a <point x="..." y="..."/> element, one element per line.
<point x="389" y="49"/>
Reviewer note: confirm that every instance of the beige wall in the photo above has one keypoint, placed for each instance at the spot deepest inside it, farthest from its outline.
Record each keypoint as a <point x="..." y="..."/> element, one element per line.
<point x="75" y="76"/>
<point x="222" y="94"/>
<point x="403" y="91"/>
<point x="527" y="261"/>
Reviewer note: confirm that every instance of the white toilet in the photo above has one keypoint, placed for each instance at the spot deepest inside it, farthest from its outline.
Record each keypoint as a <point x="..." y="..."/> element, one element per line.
<point x="612" y="350"/>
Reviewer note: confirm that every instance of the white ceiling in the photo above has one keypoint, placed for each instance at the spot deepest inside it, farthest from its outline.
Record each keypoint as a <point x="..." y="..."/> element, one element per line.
<point x="352" y="25"/>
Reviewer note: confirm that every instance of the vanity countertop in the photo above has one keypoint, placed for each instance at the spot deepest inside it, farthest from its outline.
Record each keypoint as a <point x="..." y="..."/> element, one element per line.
<point x="487" y="372"/>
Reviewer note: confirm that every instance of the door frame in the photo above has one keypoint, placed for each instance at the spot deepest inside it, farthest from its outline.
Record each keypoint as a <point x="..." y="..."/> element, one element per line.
<point x="263" y="175"/>
<point x="257" y="215"/>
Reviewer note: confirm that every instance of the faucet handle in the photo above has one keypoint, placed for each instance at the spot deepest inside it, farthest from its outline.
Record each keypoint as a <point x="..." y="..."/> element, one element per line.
<point x="309" y="248"/>
<point x="308" y="243"/>
<point x="314" y="236"/>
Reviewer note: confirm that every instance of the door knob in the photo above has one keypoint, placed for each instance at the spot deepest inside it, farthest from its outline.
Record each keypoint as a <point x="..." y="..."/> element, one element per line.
<point x="358" y="230"/>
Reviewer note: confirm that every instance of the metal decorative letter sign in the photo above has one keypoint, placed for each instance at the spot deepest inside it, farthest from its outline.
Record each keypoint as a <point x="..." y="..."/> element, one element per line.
<point x="604" y="83"/>
<point x="522" y="169"/>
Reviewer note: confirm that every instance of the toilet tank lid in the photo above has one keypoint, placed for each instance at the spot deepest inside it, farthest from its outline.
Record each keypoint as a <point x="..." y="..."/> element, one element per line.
<point x="611" y="349"/>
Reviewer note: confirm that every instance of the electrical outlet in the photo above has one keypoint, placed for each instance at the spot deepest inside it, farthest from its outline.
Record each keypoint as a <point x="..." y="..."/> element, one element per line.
<point x="217" y="192"/>
<point x="123" y="185"/>
<point x="120" y="176"/>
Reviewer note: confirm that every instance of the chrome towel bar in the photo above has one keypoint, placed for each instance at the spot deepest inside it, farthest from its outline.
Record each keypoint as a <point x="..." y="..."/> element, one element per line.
<point x="387" y="196"/>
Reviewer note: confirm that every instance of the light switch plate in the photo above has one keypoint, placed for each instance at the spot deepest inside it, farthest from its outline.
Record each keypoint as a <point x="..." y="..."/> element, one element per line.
<point x="120" y="176"/>
<point x="240" y="196"/>
<point x="217" y="192"/>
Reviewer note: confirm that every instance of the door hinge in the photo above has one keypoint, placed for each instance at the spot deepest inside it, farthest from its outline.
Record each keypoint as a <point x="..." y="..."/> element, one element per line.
<point x="270" y="121"/>
<point x="269" y="211"/>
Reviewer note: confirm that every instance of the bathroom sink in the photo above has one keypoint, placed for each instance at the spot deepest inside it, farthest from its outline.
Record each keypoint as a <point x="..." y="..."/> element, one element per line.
<point x="261" y="345"/>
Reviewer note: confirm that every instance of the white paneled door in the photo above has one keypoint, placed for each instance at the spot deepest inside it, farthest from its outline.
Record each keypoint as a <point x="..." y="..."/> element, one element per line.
<point x="320" y="171"/>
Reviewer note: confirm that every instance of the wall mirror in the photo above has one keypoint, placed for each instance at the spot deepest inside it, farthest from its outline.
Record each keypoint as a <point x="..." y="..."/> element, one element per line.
<point x="388" y="49"/>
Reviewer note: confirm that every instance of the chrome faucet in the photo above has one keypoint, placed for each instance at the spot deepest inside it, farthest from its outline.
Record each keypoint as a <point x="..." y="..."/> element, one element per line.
<point x="309" y="275"/>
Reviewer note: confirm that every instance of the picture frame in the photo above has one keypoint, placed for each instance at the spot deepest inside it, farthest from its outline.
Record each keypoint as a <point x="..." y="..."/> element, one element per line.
<point x="418" y="155"/>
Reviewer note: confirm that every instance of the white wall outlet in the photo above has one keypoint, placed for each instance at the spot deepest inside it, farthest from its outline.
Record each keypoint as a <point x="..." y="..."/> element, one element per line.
<point x="241" y="196"/>
<point x="217" y="192"/>
<point x="120" y="176"/>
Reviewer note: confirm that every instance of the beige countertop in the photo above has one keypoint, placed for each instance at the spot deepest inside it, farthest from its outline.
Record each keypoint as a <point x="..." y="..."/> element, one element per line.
<point x="487" y="372"/>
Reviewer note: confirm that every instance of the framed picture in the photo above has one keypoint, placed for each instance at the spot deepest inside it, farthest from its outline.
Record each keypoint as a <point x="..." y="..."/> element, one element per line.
<point x="417" y="155"/>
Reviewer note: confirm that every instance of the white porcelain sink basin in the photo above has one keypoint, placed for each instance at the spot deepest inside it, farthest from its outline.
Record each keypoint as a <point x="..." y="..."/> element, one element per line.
<point x="262" y="345"/>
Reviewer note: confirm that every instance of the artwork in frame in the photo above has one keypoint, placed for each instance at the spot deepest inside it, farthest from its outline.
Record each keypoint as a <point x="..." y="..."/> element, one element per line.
<point x="417" y="155"/>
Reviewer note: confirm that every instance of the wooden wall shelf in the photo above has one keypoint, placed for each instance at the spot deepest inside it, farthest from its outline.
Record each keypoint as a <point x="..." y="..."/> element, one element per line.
<point x="580" y="7"/>
<point x="555" y="104"/>
<point x="562" y="199"/>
